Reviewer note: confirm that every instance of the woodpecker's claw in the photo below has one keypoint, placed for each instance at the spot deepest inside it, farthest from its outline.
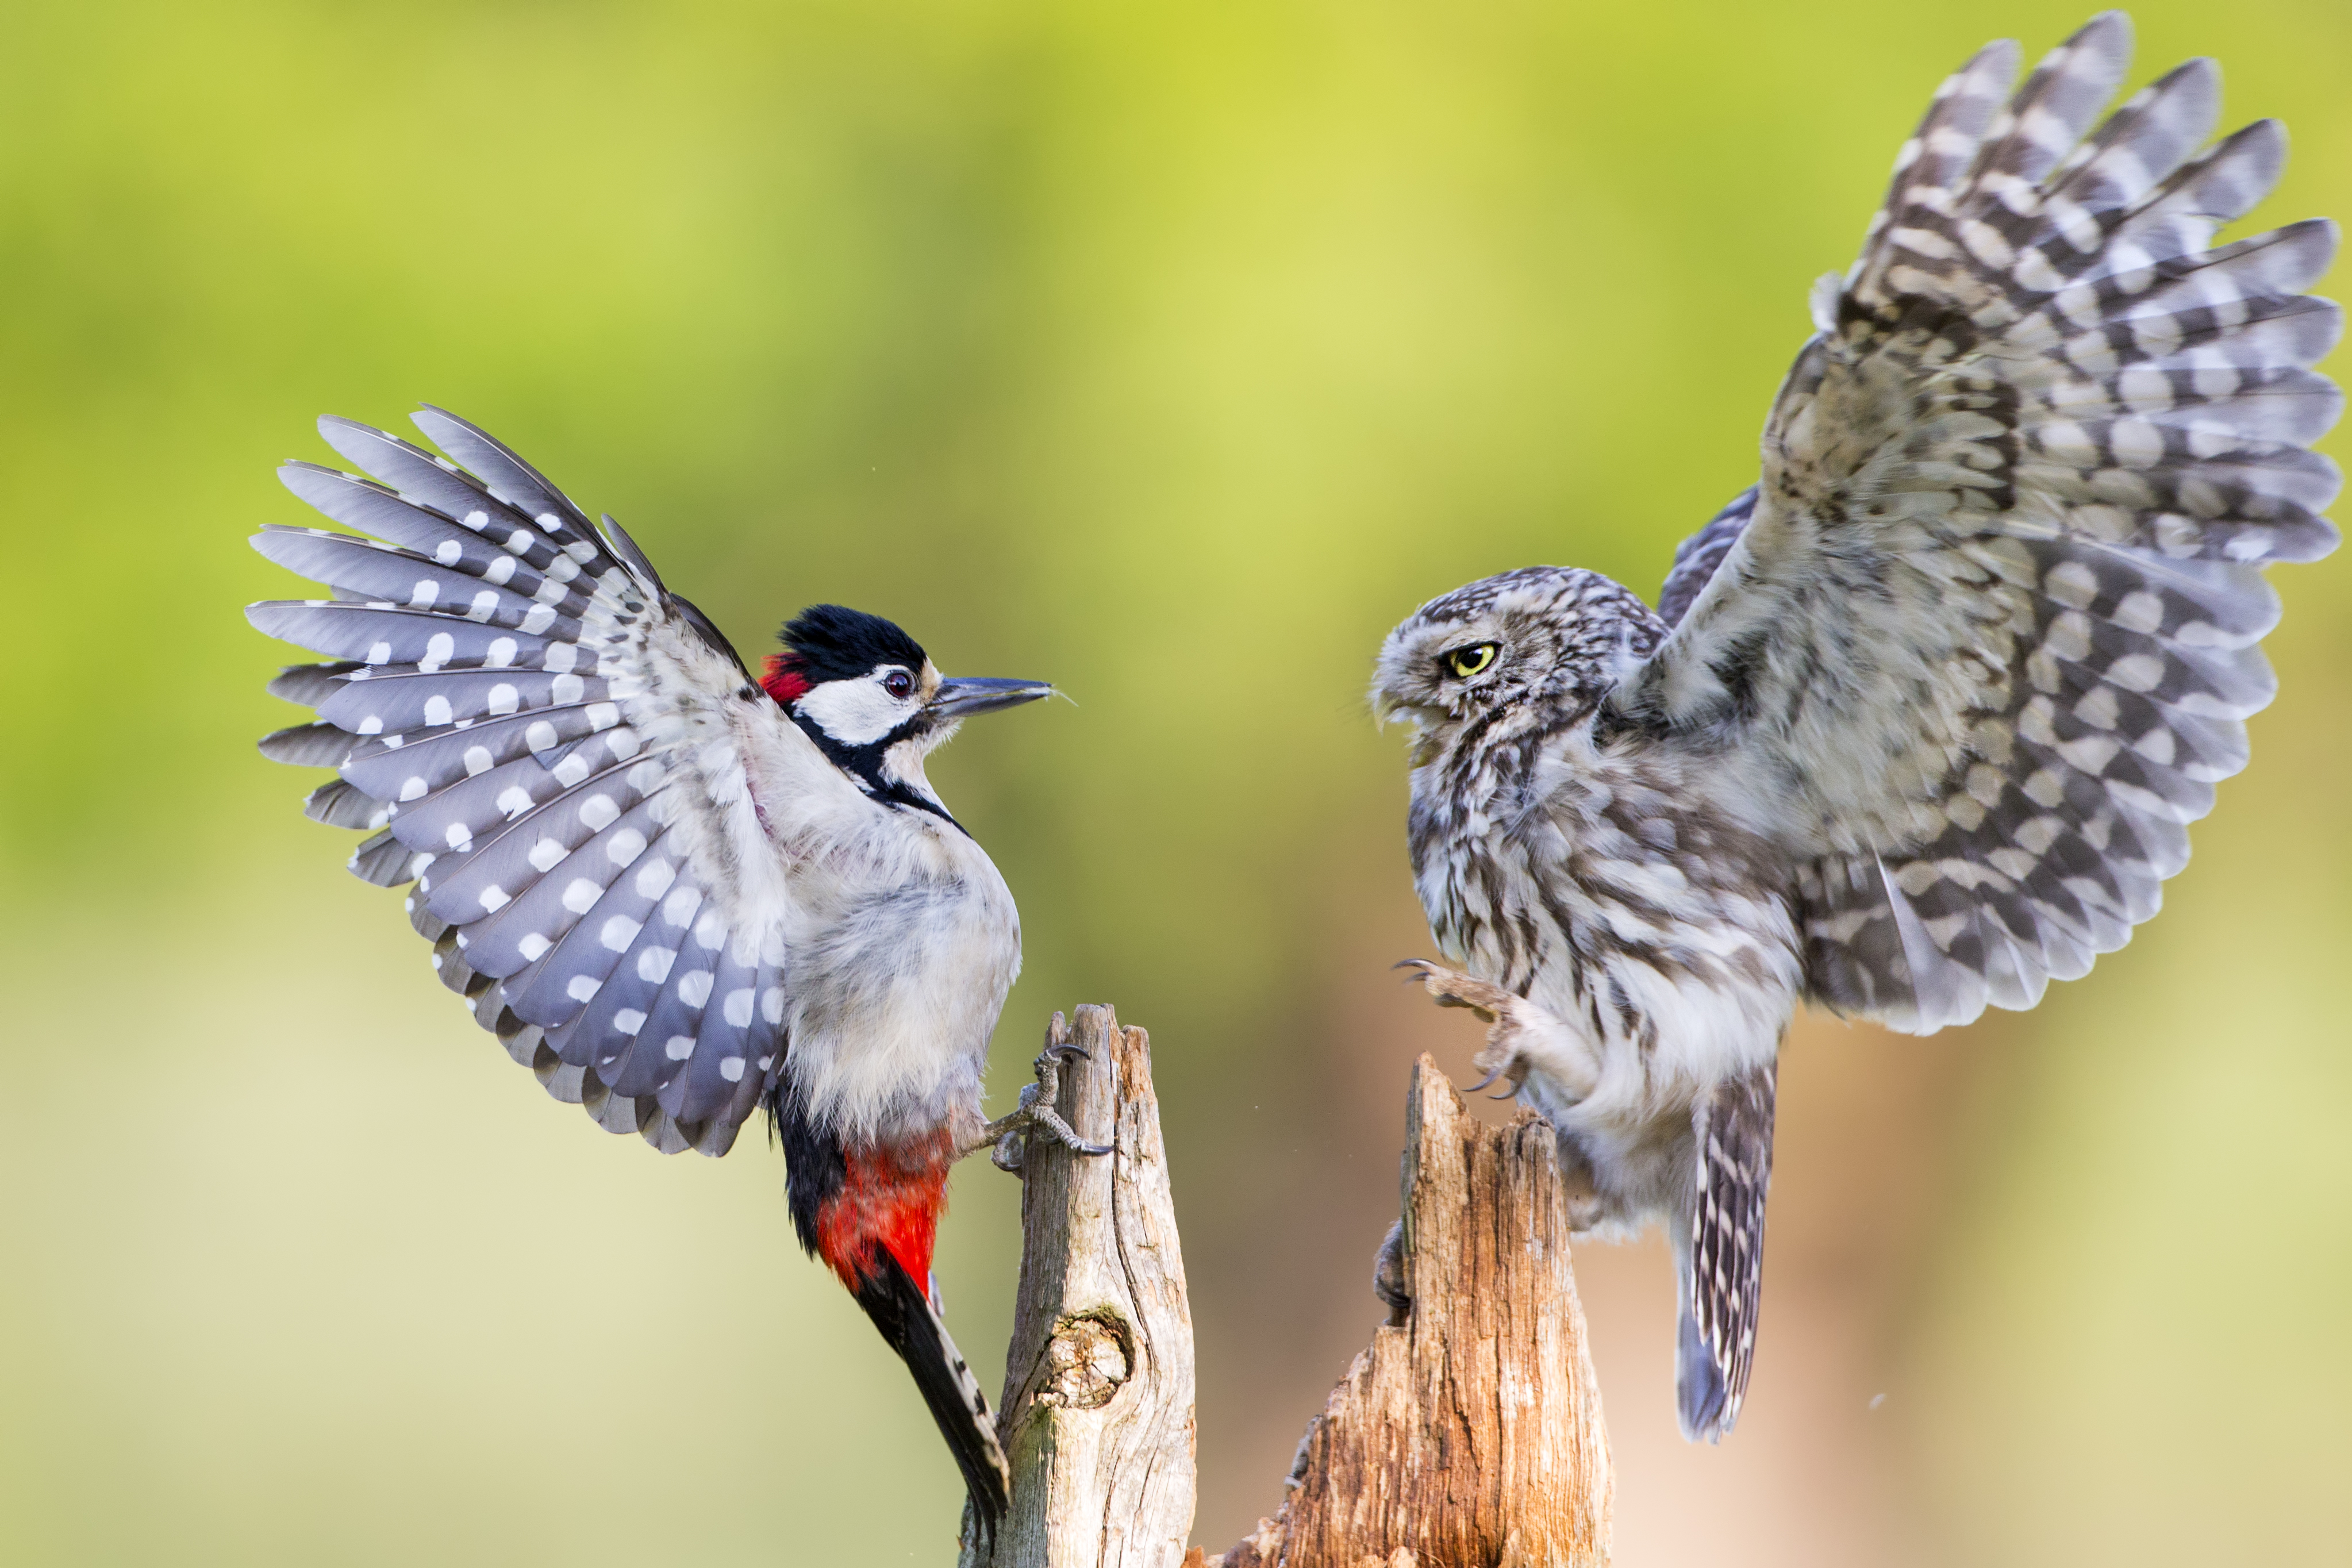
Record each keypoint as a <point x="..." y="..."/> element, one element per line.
<point x="1009" y="1133"/>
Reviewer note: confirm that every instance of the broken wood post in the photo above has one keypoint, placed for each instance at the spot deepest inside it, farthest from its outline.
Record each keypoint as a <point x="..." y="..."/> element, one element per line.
<point x="1097" y="1419"/>
<point x="1469" y="1435"/>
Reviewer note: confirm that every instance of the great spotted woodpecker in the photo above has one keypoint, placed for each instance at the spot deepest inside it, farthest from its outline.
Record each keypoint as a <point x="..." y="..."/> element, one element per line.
<point x="676" y="892"/>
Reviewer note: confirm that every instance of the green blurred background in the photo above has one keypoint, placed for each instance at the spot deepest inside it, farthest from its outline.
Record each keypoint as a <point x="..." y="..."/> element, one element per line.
<point x="1170" y="352"/>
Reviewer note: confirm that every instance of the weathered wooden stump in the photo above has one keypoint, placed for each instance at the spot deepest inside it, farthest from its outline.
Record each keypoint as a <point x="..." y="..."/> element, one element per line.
<point x="1097" y="1411"/>
<point x="1467" y="1435"/>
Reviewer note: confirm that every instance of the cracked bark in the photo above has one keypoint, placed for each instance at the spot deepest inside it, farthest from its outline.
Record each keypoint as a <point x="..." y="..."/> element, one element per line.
<point x="1097" y="1419"/>
<point x="1468" y="1434"/>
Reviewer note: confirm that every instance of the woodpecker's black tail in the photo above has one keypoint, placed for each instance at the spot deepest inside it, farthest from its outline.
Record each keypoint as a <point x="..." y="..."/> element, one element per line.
<point x="903" y="1313"/>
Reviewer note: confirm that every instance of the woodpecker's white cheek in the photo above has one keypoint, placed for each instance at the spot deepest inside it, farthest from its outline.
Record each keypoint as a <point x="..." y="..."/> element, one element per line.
<point x="854" y="712"/>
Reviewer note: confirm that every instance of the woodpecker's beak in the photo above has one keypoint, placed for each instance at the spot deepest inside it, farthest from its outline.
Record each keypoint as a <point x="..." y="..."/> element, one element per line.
<point x="966" y="695"/>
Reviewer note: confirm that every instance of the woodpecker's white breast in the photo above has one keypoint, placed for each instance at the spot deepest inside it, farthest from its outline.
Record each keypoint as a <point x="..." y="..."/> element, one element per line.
<point x="903" y="939"/>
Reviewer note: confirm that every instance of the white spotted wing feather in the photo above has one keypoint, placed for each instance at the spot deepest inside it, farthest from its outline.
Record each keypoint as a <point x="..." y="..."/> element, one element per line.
<point x="1989" y="638"/>
<point x="546" y="743"/>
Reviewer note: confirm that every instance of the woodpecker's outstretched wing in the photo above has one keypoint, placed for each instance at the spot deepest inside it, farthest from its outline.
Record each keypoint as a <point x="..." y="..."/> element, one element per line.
<point x="550" y="745"/>
<point x="1989" y="638"/>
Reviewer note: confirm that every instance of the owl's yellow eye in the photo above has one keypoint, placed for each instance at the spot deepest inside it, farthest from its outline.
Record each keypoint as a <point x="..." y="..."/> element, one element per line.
<point x="1465" y="662"/>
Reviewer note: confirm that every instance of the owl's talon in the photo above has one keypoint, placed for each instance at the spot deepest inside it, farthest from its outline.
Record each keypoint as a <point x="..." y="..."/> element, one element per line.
<point x="1518" y="1031"/>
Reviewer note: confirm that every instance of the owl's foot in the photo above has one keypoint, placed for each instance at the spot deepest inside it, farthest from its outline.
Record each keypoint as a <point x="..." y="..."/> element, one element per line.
<point x="1388" y="1277"/>
<point x="1009" y="1133"/>
<point x="1520" y="1036"/>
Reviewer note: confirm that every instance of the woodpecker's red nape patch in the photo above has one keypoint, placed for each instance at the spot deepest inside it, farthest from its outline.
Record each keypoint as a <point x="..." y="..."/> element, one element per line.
<point x="891" y="1198"/>
<point x="784" y="681"/>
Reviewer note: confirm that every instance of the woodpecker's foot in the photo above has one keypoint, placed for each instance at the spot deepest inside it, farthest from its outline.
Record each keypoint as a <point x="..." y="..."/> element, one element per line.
<point x="1387" y="1276"/>
<point x="1521" y="1034"/>
<point x="1009" y="1133"/>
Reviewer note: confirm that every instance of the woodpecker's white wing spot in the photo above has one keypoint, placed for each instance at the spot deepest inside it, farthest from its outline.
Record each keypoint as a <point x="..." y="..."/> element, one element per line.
<point x="678" y="1047"/>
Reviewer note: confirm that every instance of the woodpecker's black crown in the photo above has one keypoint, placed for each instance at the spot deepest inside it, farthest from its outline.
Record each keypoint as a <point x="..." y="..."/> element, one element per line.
<point x="832" y="642"/>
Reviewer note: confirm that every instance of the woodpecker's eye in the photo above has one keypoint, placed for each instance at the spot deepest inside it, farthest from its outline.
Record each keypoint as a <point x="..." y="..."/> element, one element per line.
<point x="1465" y="662"/>
<point x="897" y="683"/>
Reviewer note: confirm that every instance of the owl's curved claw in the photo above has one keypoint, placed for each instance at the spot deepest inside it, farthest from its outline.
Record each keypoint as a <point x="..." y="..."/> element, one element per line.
<point x="1520" y="1033"/>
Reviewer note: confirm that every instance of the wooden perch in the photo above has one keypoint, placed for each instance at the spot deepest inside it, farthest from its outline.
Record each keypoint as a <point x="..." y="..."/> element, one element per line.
<point x="1097" y="1411"/>
<point x="1468" y="1436"/>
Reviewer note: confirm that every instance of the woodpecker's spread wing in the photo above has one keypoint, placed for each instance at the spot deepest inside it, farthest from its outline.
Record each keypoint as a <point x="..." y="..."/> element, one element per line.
<point x="551" y="746"/>
<point x="1723" y="1280"/>
<point x="1989" y="638"/>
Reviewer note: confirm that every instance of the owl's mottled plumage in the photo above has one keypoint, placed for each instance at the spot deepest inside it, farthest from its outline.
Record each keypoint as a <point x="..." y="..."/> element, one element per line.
<point x="1924" y="716"/>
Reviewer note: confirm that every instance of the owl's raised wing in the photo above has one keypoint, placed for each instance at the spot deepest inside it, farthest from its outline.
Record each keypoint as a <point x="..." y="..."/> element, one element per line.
<point x="1988" y="639"/>
<point x="549" y="744"/>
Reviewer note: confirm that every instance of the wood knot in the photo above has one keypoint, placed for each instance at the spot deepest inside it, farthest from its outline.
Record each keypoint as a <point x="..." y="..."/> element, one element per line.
<point x="1087" y="1361"/>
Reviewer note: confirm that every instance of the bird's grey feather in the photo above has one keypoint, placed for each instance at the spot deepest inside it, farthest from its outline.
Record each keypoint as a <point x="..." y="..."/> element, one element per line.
<point x="1697" y="558"/>
<point x="311" y="684"/>
<point x="338" y="804"/>
<point x="367" y="570"/>
<point x="311" y="745"/>
<point x="1724" y="1262"/>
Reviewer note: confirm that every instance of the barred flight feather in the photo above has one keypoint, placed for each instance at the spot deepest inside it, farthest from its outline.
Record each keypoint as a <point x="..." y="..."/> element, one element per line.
<point x="2047" y="440"/>
<point x="1734" y="1142"/>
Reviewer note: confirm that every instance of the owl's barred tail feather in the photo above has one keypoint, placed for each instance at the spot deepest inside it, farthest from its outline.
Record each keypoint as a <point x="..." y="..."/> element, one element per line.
<point x="2118" y="416"/>
<point x="1719" y="1265"/>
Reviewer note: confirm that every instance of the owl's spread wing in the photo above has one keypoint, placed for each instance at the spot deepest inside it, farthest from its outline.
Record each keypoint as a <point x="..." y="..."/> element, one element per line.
<point x="550" y="745"/>
<point x="1988" y="639"/>
<point x="1697" y="558"/>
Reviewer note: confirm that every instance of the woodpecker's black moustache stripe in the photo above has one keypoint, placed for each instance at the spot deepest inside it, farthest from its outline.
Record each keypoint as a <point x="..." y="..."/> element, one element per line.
<point x="865" y="762"/>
